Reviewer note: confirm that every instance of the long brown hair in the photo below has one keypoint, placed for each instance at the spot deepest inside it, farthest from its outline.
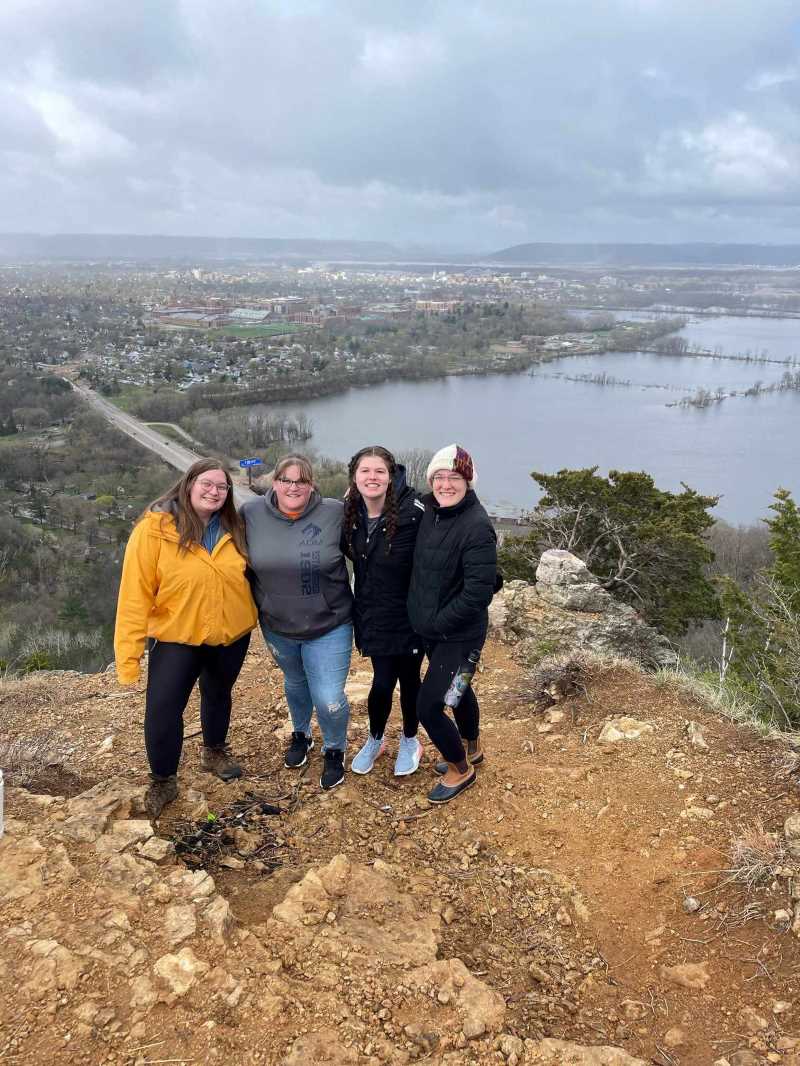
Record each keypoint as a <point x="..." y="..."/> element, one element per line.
<point x="176" y="501"/>
<point x="354" y="496"/>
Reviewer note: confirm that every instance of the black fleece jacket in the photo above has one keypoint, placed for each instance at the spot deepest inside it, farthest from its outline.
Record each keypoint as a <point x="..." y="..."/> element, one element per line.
<point x="454" y="572"/>
<point x="380" y="615"/>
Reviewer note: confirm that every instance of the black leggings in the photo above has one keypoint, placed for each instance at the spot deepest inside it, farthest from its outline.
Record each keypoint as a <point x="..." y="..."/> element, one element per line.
<point x="444" y="660"/>
<point x="387" y="670"/>
<point x="172" y="672"/>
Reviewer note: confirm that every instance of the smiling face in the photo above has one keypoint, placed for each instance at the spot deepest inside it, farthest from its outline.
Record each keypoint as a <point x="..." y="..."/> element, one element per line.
<point x="291" y="491"/>
<point x="448" y="488"/>
<point x="372" y="480"/>
<point x="208" y="493"/>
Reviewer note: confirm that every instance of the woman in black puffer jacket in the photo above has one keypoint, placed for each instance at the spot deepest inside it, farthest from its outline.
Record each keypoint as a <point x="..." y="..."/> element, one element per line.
<point x="452" y="583"/>
<point x="381" y="520"/>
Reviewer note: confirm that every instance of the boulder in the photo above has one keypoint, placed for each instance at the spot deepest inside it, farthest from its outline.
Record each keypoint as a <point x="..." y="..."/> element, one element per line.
<point x="363" y="909"/>
<point x="89" y="814"/>
<point x="568" y="611"/>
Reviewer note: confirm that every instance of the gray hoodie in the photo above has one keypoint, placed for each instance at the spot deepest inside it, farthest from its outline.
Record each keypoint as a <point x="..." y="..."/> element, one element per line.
<point x="298" y="572"/>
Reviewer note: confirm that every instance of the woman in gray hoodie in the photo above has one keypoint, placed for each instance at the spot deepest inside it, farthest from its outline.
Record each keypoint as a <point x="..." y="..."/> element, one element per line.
<point x="302" y="592"/>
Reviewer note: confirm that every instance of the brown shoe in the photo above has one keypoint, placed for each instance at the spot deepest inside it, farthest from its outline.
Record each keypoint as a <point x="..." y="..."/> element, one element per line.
<point x="219" y="761"/>
<point x="474" y="756"/>
<point x="162" y="790"/>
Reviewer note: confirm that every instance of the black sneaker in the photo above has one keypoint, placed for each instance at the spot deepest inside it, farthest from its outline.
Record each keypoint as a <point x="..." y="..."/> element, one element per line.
<point x="333" y="770"/>
<point x="297" y="752"/>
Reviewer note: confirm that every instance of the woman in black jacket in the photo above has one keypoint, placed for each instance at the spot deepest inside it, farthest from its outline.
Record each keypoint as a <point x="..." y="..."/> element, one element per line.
<point x="381" y="519"/>
<point x="452" y="583"/>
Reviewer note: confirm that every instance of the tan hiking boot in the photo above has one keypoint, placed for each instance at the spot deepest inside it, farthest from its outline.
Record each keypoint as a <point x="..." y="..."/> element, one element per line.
<point x="162" y="790"/>
<point x="219" y="761"/>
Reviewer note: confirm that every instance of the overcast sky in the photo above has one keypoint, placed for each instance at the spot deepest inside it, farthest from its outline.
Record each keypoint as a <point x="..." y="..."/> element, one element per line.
<point x="470" y="125"/>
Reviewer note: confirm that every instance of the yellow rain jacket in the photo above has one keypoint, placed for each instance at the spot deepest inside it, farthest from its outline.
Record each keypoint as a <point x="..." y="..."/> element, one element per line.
<point x="184" y="597"/>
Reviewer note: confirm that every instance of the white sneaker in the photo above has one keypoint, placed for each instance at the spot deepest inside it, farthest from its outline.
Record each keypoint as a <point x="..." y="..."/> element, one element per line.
<point x="408" y="755"/>
<point x="365" y="759"/>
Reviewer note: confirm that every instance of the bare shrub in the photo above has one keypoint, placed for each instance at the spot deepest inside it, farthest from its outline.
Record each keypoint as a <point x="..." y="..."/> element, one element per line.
<point x="24" y="759"/>
<point x="756" y="856"/>
<point x="557" y="677"/>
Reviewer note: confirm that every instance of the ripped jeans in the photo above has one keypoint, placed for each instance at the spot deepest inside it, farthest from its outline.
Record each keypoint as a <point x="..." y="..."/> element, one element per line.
<point x="314" y="674"/>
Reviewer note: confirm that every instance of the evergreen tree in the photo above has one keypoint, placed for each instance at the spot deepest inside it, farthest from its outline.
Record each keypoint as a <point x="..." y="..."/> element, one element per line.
<point x="644" y="544"/>
<point x="762" y="649"/>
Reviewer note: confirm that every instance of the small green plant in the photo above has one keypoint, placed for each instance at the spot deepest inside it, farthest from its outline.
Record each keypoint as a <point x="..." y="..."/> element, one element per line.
<point x="37" y="660"/>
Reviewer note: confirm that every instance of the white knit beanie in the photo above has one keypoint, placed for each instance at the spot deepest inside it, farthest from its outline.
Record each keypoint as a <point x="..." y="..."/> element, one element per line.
<point x="453" y="457"/>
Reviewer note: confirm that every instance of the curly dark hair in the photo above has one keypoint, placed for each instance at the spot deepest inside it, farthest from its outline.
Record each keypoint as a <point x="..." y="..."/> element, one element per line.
<point x="353" y="496"/>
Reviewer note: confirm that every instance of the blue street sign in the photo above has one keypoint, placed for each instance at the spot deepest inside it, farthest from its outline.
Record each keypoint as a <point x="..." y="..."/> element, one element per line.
<point x="250" y="462"/>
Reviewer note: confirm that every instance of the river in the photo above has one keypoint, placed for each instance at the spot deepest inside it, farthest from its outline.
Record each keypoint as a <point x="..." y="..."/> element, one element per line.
<point x="741" y="449"/>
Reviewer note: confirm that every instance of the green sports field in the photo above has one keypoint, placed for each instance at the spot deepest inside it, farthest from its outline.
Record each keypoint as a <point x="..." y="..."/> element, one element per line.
<point x="268" y="329"/>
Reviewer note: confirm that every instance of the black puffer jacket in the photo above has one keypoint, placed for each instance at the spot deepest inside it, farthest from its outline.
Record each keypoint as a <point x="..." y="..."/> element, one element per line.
<point x="380" y="615"/>
<point x="455" y="569"/>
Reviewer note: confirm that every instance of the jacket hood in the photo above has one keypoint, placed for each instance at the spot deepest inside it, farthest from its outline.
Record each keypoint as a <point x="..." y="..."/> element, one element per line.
<point x="399" y="480"/>
<point x="167" y="507"/>
<point x="271" y="503"/>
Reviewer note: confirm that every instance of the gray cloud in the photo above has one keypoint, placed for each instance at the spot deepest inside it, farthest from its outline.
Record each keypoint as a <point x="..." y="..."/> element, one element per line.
<point x="471" y="125"/>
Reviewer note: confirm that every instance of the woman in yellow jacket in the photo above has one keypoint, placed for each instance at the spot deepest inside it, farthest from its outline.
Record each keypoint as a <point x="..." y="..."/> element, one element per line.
<point x="184" y="589"/>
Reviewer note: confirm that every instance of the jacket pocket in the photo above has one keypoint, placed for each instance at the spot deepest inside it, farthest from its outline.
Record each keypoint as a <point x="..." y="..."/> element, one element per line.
<point x="296" y="615"/>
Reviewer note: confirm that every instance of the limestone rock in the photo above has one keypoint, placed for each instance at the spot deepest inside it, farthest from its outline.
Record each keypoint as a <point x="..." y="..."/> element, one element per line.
<point x="125" y="870"/>
<point x="619" y="729"/>
<point x="751" y="1020"/>
<point x="696" y="738"/>
<point x="479" y="1006"/>
<point x="791" y="830"/>
<point x="26" y="866"/>
<point x="563" y="1053"/>
<point x="372" y="916"/>
<point x="323" y="1048"/>
<point x="157" y="850"/>
<point x="675" y="1037"/>
<point x="55" y="968"/>
<point x="123" y="834"/>
<point x="512" y="1045"/>
<point x="180" y="971"/>
<point x="744" y="1057"/>
<point x="692" y="975"/>
<point x="192" y="884"/>
<point x="180" y="923"/>
<point x="217" y="916"/>
<point x="567" y="610"/>
<point x="143" y="993"/>
<point x="89" y="814"/>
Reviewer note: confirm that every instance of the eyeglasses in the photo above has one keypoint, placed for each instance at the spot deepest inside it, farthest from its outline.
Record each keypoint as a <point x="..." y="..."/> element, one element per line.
<point x="295" y="483"/>
<point x="447" y="479"/>
<point x="207" y="486"/>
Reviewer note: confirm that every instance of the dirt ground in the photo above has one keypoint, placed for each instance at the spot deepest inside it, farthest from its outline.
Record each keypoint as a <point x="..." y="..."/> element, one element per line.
<point x="576" y="879"/>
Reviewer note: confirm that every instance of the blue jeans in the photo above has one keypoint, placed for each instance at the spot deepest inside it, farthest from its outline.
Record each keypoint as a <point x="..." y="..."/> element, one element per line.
<point x="314" y="674"/>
